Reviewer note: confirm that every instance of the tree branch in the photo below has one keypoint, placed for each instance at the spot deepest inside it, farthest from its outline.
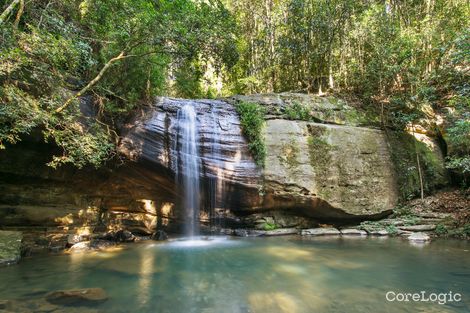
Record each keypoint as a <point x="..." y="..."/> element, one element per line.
<point x="8" y="11"/>
<point x="92" y="82"/>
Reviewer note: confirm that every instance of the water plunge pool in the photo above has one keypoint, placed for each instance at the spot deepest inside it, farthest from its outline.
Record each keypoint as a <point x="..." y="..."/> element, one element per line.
<point x="282" y="274"/>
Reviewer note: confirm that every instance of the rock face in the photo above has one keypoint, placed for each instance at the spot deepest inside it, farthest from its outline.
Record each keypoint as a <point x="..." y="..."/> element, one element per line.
<point x="224" y="160"/>
<point x="331" y="169"/>
<point x="349" y="167"/>
<point x="321" y="170"/>
<point x="320" y="232"/>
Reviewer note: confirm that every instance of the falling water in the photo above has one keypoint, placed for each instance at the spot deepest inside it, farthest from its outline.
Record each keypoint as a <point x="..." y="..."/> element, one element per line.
<point x="215" y="182"/>
<point x="189" y="162"/>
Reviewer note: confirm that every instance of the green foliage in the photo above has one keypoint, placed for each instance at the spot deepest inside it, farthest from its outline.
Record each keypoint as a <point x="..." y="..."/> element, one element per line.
<point x="60" y="46"/>
<point x="252" y="122"/>
<point x="19" y="114"/>
<point x="391" y="229"/>
<point x="269" y="226"/>
<point x="298" y="111"/>
<point x="441" y="230"/>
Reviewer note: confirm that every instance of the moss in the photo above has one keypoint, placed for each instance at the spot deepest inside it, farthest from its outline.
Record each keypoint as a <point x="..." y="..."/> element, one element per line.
<point x="252" y="123"/>
<point x="318" y="150"/>
<point x="391" y="229"/>
<point x="404" y="148"/>
<point x="290" y="153"/>
<point x="441" y="230"/>
<point x="460" y="232"/>
<point x="298" y="111"/>
<point x="269" y="226"/>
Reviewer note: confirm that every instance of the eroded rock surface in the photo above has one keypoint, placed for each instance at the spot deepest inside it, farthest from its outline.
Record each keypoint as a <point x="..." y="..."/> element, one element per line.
<point x="332" y="169"/>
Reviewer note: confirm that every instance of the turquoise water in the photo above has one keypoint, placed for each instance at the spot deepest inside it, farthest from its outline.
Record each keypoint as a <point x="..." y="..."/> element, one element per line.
<point x="284" y="274"/>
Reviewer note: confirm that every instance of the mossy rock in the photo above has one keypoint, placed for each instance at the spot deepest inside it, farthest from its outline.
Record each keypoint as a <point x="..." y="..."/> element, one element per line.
<point x="405" y="149"/>
<point x="10" y="247"/>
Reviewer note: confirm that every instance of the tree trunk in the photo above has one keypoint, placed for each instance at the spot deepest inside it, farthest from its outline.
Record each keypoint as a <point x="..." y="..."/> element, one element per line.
<point x="418" y="163"/>
<point x="19" y="14"/>
<point x="8" y="11"/>
<point x="92" y="82"/>
<point x="420" y="176"/>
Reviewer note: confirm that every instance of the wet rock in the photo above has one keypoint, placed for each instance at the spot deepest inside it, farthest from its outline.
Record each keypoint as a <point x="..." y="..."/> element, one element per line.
<point x="5" y="304"/>
<point x="75" y="238"/>
<point x="404" y="233"/>
<point x="248" y="232"/>
<point x="119" y="236"/>
<point x="124" y="236"/>
<point x="353" y="232"/>
<point x="159" y="235"/>
<point x="76" y="297"/>
<point x="80" y="247"/>
<point x="418" y="228"/>
<point x="320" y="232"/>
<point x="313" y="170"/>
<point x="10" y="247"/>
<point x="41" y="306"/>
<point x="379" y="232"/>
<point x="281" y="232"/>
<point x="419" y="237"/>
<point x="93" y="245"/>
<point x="58" y="242"/>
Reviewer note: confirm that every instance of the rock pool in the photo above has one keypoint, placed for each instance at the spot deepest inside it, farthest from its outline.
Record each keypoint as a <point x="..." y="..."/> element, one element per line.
<point x="282" y="274"/>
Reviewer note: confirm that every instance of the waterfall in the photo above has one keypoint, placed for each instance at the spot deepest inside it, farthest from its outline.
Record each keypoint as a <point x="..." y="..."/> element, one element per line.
<point x="214" y="187"/>
<point x="188" y="159"/>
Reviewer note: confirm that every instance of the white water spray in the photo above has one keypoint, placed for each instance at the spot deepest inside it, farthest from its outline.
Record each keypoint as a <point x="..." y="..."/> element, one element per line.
<point x="189" y="160"/>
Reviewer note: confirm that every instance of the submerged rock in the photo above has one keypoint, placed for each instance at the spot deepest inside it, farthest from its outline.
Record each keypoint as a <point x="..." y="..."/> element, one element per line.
<point x="320" y="232"/>
<point x="10" y="247"/>
<point x="76" y="297"/>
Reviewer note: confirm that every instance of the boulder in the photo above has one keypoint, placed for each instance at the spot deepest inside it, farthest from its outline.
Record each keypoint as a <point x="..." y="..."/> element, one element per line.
<point x="10" y="247"/>
<point x="418" y="228"/>
<point x="93" y="245"/>
<point x="159" y="235"/>
<point x="77" y="297"/>
<point x="379" y="232"/>
<point x="320" y="232"/>
<point x="281" y="232"/>
<point x="248" y="232"/>
<point x="419" y="237"/>
<point x="353" y="232"/>
<point x="75" y="238"/>
<point x="119" y="236"/>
